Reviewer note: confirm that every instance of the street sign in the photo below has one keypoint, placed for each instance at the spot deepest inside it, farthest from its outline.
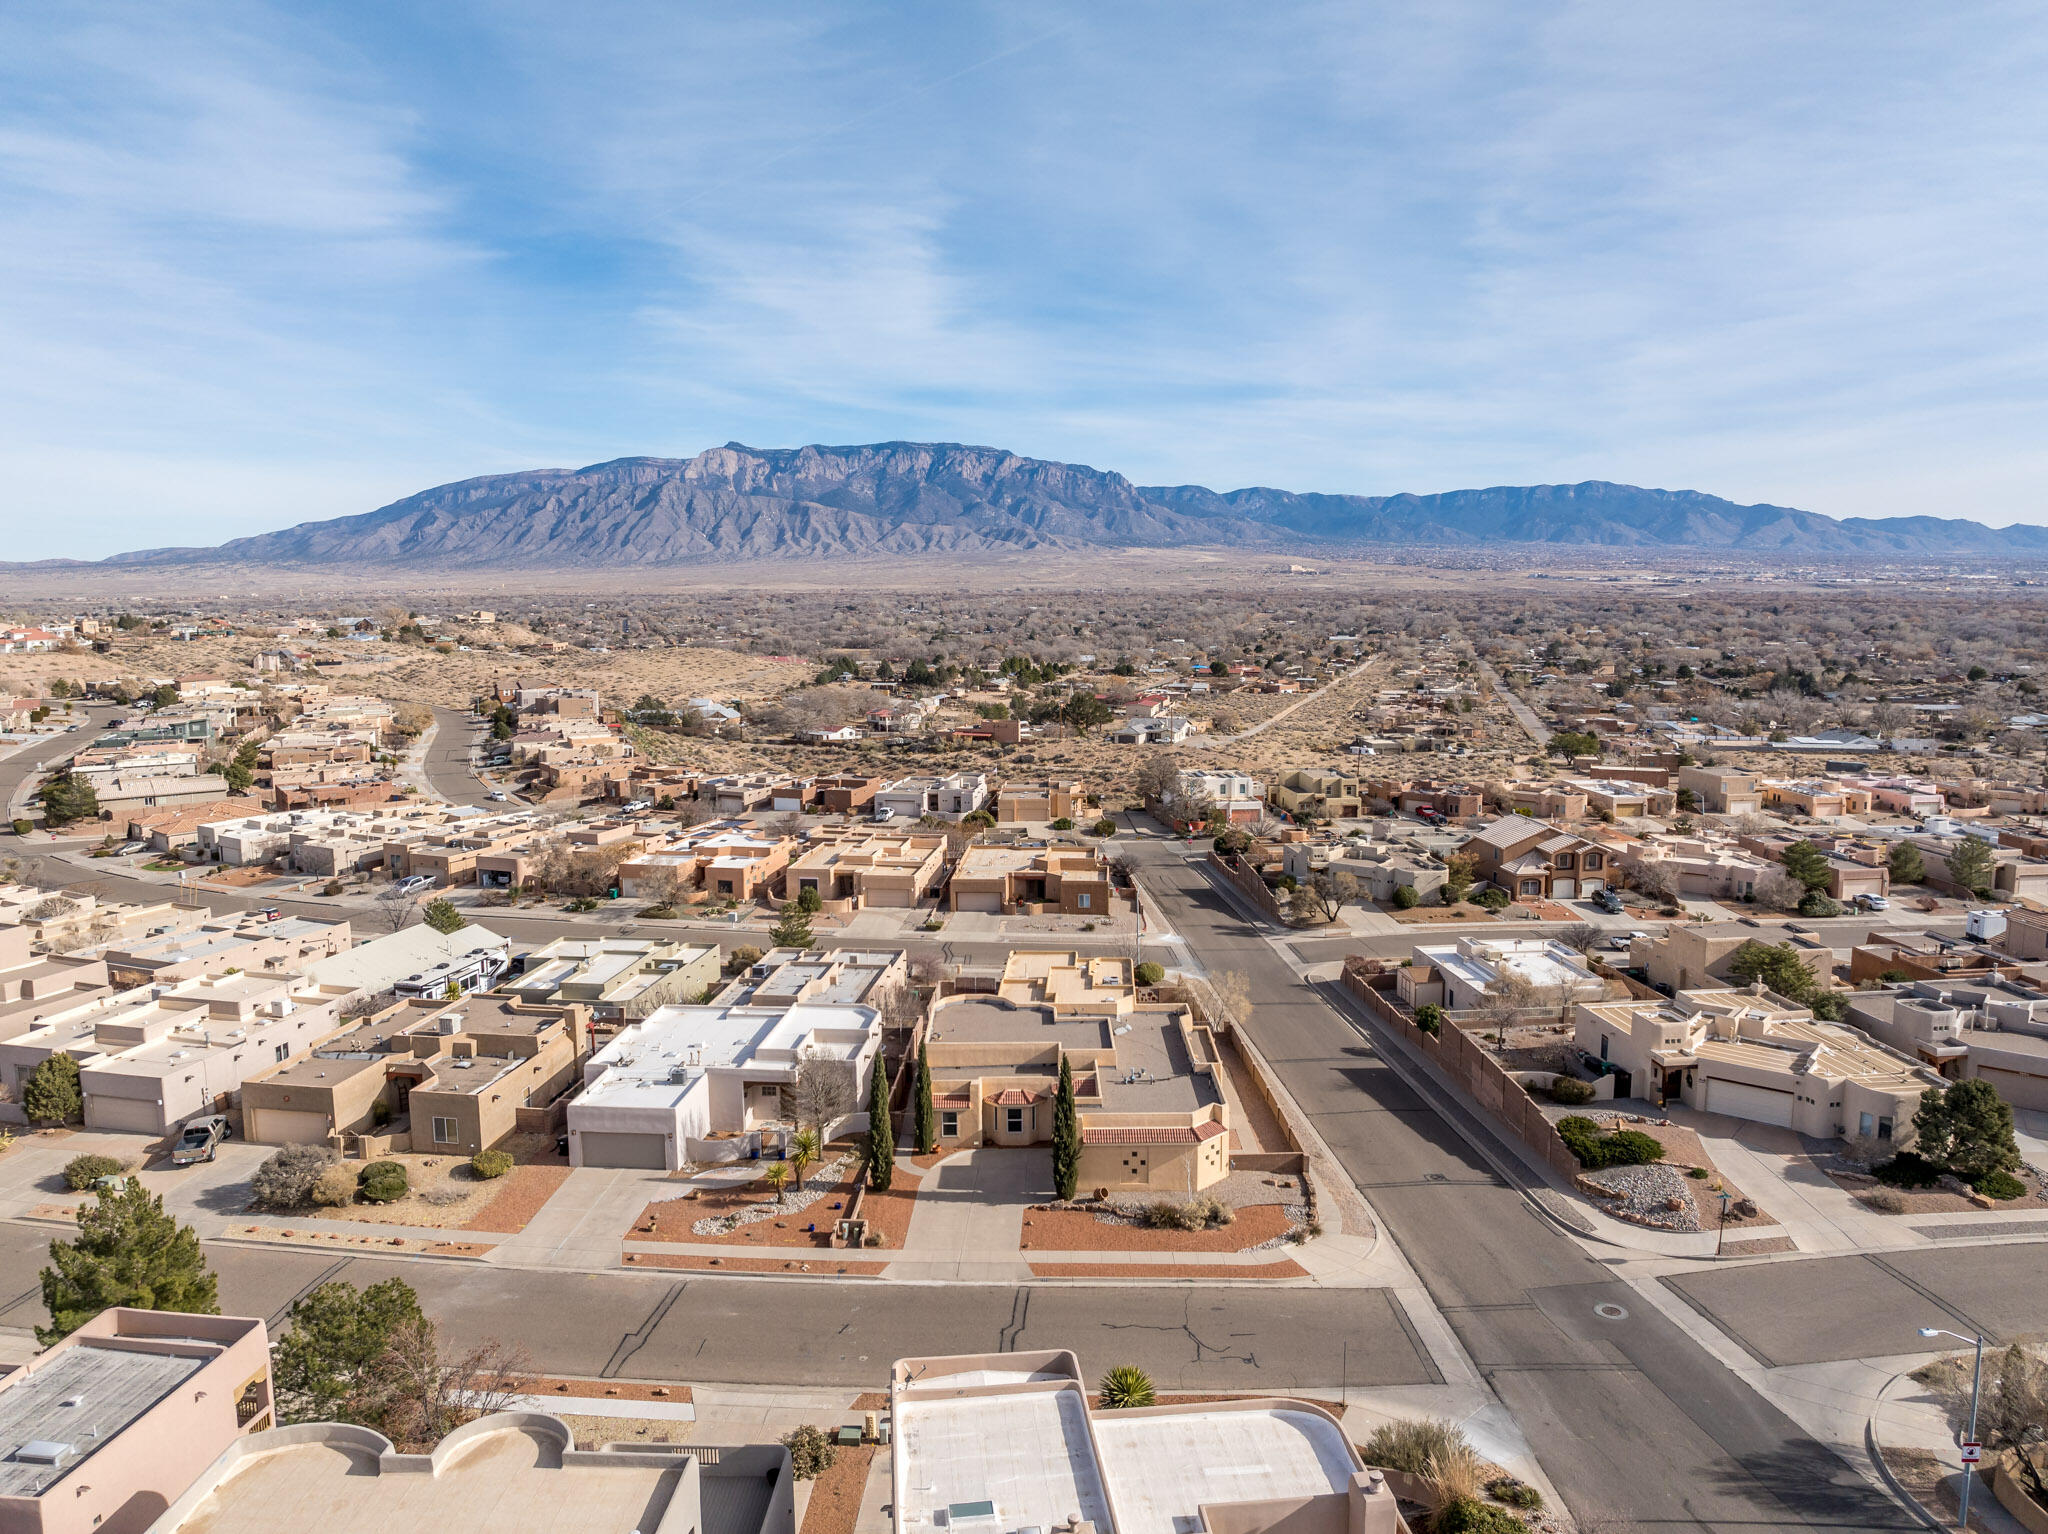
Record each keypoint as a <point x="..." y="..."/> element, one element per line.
<point x="1973" y="1453"/>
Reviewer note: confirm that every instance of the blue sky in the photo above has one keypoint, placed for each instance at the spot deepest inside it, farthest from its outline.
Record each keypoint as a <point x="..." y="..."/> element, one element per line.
<point x="266" y="263"/>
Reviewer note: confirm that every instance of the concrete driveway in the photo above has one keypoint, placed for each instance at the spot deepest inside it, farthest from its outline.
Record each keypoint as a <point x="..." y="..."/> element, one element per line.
<point x="969" y="1216"/>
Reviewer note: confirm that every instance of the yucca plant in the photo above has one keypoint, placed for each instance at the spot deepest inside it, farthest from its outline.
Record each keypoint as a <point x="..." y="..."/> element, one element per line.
<point x="1127" y="1385"/>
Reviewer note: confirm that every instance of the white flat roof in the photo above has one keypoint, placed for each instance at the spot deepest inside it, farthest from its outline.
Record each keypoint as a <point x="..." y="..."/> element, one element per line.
<point x="1028" y="1454"/>
<point x="656" y="1062"/>
<point x="1162" y="1469"/>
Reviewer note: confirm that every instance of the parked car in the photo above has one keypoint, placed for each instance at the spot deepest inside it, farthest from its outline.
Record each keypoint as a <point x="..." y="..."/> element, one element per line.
<point x="497" y="795"/>
<point x="200" y="1139"/>
<point x="269" y="913"/>
<point x="632" y="805"/>
<point x="416" y="883"/>
<point x="1873" y="903"/>
<point x="1621" y="941"/>
<point x="129" y="849"/>
<point x="1608" y="901"/>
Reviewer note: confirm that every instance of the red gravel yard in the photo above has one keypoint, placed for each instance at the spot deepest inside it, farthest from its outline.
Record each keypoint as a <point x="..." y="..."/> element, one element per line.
<point x="1079" y="1230"/>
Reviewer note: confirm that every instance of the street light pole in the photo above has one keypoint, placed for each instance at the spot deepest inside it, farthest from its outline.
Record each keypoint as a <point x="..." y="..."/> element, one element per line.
<point x="1722" y="1234"/>
<point x="1976" y="1386"/>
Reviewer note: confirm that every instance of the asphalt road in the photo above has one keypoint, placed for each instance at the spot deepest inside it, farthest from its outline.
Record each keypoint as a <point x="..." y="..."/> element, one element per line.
<point x="16" y="770"/>
<point x="448" y="767"/>
<point x="1632" y="1420"/>
<point x="832" y="1332"/>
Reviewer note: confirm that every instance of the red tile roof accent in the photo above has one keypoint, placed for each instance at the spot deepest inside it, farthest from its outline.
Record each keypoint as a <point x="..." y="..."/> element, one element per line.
<point x="952" y="1100"/>
<point x="1013" y="1097"/>
<point x="1209" y="1130"/>
<point x="1179" y="1135"/>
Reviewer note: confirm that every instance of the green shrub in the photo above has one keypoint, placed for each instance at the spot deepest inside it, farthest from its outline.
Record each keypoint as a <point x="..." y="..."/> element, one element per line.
<point x="1149" y="973"/>
<point x="1698" y="1173"/>
<point x="2001" y="1185"/>
<point x="382" y="1182"/>
<point x="1908" y="1169"/>
<point x="1127" y="1386"/>
<point x="1626" y="1147"/>
<point x="1493" y="899"/>
<point x="1413" y="1445"/>
<point x="1515" y="1493"/>
<point x="1105" y="827"/>
<point x="1429" y="1017"/>
<point x="1063" y="824"/>
<point x="81" y="1172"/>
<point x="1468" y="1515"/>
<point x="1405" y="898"/>
<point x="23" y="827"/>
<point x="489" y="1164"/>
<point x="1571" y="1091"/>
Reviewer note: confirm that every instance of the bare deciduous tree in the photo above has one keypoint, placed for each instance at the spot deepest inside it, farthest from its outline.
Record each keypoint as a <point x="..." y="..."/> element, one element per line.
<point x="397" y="908"/>
<point x="415" y="1395"/>
<point x="823" y="1092"/>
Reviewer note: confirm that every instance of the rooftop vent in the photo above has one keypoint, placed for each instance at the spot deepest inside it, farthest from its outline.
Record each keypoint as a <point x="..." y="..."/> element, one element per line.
<point x="42" y="1451"/>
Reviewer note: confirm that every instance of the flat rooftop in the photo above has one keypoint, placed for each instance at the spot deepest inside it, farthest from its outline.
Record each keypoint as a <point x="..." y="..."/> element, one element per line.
<point x="1153" y="1073"/>
<point x="503" y="1485"/>
<point x="990" y="1020"/>
<point x="112" y="1386"/>
<point x="1028" y="1454"/>
<point x="1162" y="1469"/>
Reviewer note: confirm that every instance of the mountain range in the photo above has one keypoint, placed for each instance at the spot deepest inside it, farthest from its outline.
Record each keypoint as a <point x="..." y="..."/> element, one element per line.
<point x="905" y="499"/>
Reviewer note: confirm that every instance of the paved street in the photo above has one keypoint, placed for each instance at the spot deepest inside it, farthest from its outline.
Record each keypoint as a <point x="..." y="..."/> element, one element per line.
<point x="833" y="1332"/>
<point x="17" y="770"/>
<point x="449" y="770"/>
<point x="1630" y="1417"/>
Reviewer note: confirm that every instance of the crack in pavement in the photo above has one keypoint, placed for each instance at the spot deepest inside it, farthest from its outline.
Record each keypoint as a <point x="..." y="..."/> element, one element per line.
<point x="1205" y="1352"/>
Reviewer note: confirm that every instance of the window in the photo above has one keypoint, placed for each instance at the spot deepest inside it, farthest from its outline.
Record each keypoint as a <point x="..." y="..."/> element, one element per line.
<point x="1594" y="862"/>
<point x="1013" y="1120"/>
<point x="1083" y="900"/>
<point x="1566" y="860"/>
<point x="444" y="1131"/>
<point x="1884" y="1129"/>
<point x="949" y="1125"/>
<point x="283" y="1051"/>
<point x="1603" y="1046"/>
<point x="1866" y="1124"/>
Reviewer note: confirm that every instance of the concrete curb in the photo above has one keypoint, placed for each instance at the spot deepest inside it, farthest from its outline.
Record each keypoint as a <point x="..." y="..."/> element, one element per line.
<point x="1875" y="1449"/>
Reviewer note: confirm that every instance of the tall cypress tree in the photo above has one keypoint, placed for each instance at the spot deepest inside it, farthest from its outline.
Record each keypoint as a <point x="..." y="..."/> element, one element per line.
<point x="1066" y="1135"/>
<point x="927" y="1116"/>
<point x="881" y="1131"/>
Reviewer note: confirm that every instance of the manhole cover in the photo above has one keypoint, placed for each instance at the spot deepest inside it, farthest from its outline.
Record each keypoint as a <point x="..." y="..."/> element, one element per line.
<point x="1607" y="1310"/>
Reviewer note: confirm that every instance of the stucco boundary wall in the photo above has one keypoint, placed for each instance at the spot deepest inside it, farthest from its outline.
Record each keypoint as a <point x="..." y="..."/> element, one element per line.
<point x="1248" y="884"/>
<point x="1476" y="1075"/>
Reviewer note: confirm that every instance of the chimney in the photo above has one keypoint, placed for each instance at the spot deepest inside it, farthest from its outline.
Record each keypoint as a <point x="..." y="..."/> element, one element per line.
<point x="1373" y="1507"/>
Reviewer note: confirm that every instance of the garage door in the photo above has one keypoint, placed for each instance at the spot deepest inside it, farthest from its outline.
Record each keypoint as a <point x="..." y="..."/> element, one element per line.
<point x="991" y="903"/>
<point x="286" y="1126"/>
<point x="1738" y="1099"/>
<point x="105" y="1112"/>
<point x="2022" y="1091"/>
<point x="649" y="1151"/>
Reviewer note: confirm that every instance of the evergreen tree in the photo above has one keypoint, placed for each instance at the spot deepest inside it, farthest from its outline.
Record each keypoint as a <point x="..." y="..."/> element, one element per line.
<point x="881" y="1147"/>
<point x="1967" y="1128"/>
<point x="338" y="1332"/>
<point x="1808" y="864"/>
<point x="51" y="1094"/>
<point x="1066" y="1135"/>
<point x="128" y="1252"/>
<point x="1905" y="864"/>
<point x="794" y="929"/>
<point x="1969" y="865"/>
<point x="442" y="916"/>
<point x="927" y="1116"/>
<point x="68" y="797"/>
